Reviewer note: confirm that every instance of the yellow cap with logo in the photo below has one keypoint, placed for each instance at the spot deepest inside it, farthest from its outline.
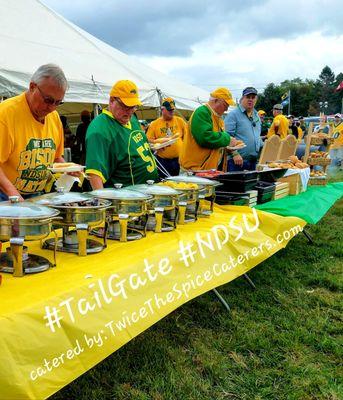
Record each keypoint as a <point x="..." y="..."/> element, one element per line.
<point x="261" y="112"/>
<point x="225" y="94"/>
<point x="127" y="92"/>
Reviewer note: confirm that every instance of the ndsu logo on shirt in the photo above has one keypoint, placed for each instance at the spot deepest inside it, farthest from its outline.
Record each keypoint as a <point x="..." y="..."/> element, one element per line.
<point x="38" y="155"/>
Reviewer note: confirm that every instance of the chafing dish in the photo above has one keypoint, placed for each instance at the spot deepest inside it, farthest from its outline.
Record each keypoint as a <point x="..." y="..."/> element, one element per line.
<point x="128" y="208"/>
<point x="81" y="212"/>
<point x="21" y="221"/>
<point x="164" y="199"/>
<point x="207" y="191"/>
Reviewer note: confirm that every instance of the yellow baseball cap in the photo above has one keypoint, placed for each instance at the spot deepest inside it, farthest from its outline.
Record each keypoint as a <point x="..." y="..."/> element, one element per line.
<point x="261" y="112"/>
<point x="127" y="92"/>
<point x="225" y="94"/>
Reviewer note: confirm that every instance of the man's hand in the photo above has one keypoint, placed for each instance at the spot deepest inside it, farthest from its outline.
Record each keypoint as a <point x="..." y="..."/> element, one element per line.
<point x="233" y="142"/>
<point x="238" y="160"/>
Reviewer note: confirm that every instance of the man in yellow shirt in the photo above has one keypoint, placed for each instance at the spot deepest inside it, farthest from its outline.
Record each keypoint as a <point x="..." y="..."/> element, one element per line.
<point x="168" y="126"/>
<point x="31" y="134"/>
<point x="280" y="123"/>
<point x="336" y="151"/>
<point x="206" y="136"/>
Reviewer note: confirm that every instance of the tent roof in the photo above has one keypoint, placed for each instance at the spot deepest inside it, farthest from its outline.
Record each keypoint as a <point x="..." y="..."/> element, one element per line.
<point x="32" y="34"/>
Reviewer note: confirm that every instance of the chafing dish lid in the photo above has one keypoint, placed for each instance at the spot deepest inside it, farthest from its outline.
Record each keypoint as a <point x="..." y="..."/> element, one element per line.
<point x="25" y="210"/>
<point x="193" y="179"/>
<point x="154" y="190"/>
<point x="119" y="194"/>
<point x="60" y="198"/>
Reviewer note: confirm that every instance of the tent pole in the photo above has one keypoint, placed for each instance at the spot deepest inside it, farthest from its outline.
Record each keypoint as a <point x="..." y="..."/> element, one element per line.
<point x="160" y="98"/>
<point x="95" y="109"/>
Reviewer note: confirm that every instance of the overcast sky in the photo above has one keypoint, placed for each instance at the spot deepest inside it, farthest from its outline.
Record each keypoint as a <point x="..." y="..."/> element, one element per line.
<point x="219" y="42"/>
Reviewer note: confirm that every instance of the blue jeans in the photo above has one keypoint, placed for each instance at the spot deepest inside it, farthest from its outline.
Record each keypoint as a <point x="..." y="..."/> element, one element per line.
<point x="170" y="164"/>
<point x="248" y="165"/>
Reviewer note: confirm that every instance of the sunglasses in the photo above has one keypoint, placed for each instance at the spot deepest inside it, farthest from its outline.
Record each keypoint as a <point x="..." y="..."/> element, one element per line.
<point x="48" y="99"/>
<point x="124" y="106"/>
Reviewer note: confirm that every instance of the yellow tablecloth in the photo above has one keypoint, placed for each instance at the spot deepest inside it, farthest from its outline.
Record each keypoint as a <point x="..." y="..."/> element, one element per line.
<point x="100" y="302"/>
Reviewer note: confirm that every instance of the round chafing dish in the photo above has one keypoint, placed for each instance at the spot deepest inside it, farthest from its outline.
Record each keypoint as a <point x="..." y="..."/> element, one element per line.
<point x="25" y="220"/>
<point x="126" y="205"/>
<point x="79" y="210"/>
<point x="75" y="208"/>
<point x="207" y="191"/>
<point x="164" y="199"/>
<point x="188" y="202"/>
<point x="21" y="221"/>
<point x="207" y="186"/>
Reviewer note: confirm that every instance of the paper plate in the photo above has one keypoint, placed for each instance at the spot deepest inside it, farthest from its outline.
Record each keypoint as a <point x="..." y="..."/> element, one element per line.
<point x="241" y="146"/>
<point x="158" y="146"/>
<point x="71" y="168"/>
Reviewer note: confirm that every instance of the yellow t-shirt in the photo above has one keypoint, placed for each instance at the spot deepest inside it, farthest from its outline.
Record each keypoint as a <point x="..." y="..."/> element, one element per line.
<point x="28" y="147"/>
<point x="161" y="128"/>
<point x="279" y="127"/>
<point x="337" y="133"/>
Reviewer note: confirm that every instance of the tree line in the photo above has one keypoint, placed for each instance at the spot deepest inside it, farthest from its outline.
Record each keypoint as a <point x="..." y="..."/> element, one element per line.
<point x="308" y="97"/>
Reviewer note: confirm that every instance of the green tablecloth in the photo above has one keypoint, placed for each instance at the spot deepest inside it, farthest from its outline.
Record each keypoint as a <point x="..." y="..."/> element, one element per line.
<point x="311" y="205"/>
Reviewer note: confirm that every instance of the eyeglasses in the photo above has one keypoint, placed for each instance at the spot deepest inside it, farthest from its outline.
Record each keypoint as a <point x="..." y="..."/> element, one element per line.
<point x="48" y="99"/>
<point x="124" y="106"/>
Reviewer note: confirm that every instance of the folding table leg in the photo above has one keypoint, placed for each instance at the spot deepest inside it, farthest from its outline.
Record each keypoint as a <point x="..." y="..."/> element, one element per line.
<point x="251" y="283"/>
<point x="222" y="300"/>
<point x="308" y="236"/>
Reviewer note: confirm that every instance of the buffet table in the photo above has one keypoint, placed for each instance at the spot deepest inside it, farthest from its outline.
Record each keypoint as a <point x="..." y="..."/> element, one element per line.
<point x="311" y="205"/>
<point x="56" y="325"/>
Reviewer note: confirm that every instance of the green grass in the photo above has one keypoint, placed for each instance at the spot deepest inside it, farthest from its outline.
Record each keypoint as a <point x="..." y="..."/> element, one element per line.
<point x="280" y="341"/>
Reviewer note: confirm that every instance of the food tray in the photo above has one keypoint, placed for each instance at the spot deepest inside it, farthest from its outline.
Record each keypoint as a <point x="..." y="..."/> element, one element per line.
<point x="272" y="174"/>
<point x="317" y="180"/>
<point x="318" y="141"/>
<point x="236" y="199"/>
<point x="237" y="186"/>
<point x="237" y="175"/>
<point x="319" y="161"/>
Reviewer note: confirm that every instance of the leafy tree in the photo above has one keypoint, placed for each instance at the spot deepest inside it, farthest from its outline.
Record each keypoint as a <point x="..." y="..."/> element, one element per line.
<point x="305" y="95"/>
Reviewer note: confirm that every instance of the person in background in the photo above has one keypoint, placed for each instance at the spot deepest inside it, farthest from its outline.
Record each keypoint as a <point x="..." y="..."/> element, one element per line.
<point x="117" y="150"/>
<point x="31" y="134"/>
<point x="280" y="123"/>
<point x="264" y="124"/>
<point x="205" y="137"/>
<point x="303" y="125"/>
<point x="69" y="138"/>
<point x="292" y="130"/>
<point x="336" y="150"/>
<point x="79" y="150"/>
<point x="172" y="127"/>
<point x="244" y="124"/>
<point x="300" y="133"/>
<point x="144" y="125"/>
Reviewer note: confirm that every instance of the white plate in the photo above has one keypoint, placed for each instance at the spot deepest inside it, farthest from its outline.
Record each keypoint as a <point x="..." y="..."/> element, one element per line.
<point x="241" y="146"/>
<point x="158" y="146"/>
<point x="71" y="168"/>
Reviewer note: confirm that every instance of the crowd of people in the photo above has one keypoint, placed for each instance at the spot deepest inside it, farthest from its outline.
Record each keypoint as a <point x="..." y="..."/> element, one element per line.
<point x="116" y="147"/>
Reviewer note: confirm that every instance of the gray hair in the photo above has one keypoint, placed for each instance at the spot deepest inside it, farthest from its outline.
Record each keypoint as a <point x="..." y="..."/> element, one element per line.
<point x="50" y="71"/>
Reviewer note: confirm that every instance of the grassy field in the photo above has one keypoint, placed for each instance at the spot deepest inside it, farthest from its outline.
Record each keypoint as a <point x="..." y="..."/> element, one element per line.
<point x="280" y="341"/>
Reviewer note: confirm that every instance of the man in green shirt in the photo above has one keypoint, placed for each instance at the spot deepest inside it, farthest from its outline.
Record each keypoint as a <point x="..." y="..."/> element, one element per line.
<point x="117" y="148"/>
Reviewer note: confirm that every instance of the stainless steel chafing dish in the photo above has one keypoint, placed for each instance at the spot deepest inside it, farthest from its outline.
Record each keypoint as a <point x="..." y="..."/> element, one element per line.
<point x="126" y="206"/>
<point x="207" y="191"/>
<point x="81" y="212"/>
<point x="21" y="221"/>
<point x="164" y="199"/>
<point x="188" y="202"/>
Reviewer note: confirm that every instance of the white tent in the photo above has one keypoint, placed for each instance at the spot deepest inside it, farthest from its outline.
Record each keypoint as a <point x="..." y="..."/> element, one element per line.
<point x="32" y="34"/>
